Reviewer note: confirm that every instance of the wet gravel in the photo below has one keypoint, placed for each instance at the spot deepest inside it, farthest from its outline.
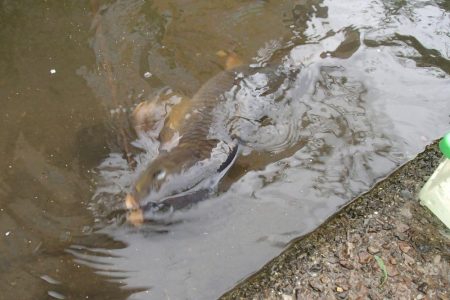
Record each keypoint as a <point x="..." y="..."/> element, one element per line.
<point x="385" y="228"/>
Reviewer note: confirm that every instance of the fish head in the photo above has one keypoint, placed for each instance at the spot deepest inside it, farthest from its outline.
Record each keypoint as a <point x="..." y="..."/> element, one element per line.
<point x="157" y="179"/>
<point x="180" y="177"/>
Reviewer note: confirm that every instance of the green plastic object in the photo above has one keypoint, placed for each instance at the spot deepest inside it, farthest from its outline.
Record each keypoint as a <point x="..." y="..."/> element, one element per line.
<point x="444" y="145"/>
<point x="435" y="194"/>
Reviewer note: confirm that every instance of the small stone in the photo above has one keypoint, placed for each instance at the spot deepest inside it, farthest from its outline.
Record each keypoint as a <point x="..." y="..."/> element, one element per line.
<point x="405" y="194"/>
<point x="364" y="257"/>
<point x="342" y="254"/>
<point x="387" y="226"/>
<point x="342" y="282"/>
<point x="343" y="295"/>
<point x="404" y="247"/>
<point x="332" y="260"/>
<point x="437" y="259"/>
<point x="358" y="291"/>
<point x="339" y="289"/>
<point x="386" y="245"/>
<point x="392" y="261"/>
<point x="373" y="250"/>
<point x="346" y="264"/>
<point x="287" y="297"/>
<point x="373" y="295"/>
<point x="423" y="247"/>
<point x="408" y="259"/>
<point x="423" y="287"/>
<point x="402" y="227"/>
<point x="391" y="270"/>
<point x="373" y="228"/>
<point x="424" y="221"/>
<point x="315" y="268"/>
<point x="324" y="279"/>
<point x="316" y="285"/>
<point x="401" y="236"/>
<point x="442" y="295"/>
<point x="406" y="213"/>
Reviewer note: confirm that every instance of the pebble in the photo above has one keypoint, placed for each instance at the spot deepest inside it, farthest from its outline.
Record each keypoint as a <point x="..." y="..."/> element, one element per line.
<point x="406" y="194"/>
<point x="343" y="295"/>
<point x="316" y="285"/>
<point x="402" y="227"/>
<point x="346" y="264"/>
<point x="339" y="289"/>
<point x="404" y="247"/>
<point x="423" y="287"/>
<point x="287" y="297"/>
<point x="437" y="259"/>
<point x="406" y="213"/>
<point x="386" y="245"/>
<point x="408" y="259"/>
<point x="387" y="226"/>
<point x="364" y="257"/>
<point x="324" y="279"/>
<point x="423" y="247"/>
<point x="315" y="268"/>
<point x="373" y="250"/>
<point x="374" y="228"/>
<point x="391" y="270"/>
<point x="401" y="236"/>
<point x="342" y="283"/>
<point x="424" y="221"/>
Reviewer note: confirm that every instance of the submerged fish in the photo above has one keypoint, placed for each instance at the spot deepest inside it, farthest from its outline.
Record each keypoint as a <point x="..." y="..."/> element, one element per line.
<point x="203" y="148"/>
<point x="188" y="171"/>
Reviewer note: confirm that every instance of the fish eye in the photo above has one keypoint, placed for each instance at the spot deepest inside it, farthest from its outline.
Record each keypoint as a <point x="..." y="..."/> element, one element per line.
<point x="159" y="174"/>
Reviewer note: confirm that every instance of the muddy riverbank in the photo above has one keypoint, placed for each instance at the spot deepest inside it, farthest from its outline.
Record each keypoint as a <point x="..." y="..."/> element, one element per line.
<point x="385" y="228"/>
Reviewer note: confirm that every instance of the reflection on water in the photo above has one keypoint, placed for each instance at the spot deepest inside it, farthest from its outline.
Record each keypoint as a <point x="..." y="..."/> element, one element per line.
<point x="340" y="94"/>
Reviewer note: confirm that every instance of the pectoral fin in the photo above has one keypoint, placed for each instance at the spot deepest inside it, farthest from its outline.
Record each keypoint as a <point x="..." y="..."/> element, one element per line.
<point x="230" y="159"/>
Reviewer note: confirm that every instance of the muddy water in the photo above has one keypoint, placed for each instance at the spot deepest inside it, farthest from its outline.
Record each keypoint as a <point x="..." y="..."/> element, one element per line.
<point x="361" y="89"/>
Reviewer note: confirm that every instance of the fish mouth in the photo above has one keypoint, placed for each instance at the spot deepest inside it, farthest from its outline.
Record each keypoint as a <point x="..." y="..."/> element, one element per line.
<point x="135" y="215"/>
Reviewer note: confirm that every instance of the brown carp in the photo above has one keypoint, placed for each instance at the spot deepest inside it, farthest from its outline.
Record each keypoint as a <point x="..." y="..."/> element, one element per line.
<point x="186" y="172"/>
<point x="203" y="140"/>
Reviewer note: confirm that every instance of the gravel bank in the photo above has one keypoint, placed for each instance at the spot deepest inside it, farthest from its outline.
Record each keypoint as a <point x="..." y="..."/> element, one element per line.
<point x="385" y="228"/>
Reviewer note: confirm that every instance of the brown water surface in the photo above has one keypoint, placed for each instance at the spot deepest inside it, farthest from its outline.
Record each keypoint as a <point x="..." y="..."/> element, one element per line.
<point x="359" y="88"/>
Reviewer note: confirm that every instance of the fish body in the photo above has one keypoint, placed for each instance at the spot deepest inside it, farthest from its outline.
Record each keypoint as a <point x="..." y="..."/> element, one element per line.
<point x="204" y="136"/>
<point x="201" y="157"/>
